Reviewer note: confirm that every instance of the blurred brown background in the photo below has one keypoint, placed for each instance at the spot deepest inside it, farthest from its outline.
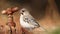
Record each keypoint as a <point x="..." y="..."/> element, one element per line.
<point x="46" y="12"/>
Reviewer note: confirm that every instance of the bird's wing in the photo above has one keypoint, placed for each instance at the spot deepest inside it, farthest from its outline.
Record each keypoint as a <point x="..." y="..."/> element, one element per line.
<point x="30" y="20"/>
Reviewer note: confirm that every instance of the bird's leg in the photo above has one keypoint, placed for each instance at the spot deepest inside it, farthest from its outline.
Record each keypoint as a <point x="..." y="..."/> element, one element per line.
<point x="24" y="31"/>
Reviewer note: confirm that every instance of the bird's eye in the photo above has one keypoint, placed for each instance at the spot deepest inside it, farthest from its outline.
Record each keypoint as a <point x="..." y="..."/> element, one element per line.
<point x="22" y="10"/>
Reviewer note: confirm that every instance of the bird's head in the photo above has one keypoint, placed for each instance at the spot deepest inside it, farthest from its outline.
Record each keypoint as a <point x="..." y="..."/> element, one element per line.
<point x="24" y="11"/>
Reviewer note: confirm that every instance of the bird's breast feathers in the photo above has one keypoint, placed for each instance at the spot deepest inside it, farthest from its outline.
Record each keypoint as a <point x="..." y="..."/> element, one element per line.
<point x="28" y="22"/>
<point x="23" y="23"/>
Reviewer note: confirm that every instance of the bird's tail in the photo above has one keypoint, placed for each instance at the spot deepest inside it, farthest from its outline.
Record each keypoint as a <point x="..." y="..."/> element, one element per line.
<point x="43" y="29"/>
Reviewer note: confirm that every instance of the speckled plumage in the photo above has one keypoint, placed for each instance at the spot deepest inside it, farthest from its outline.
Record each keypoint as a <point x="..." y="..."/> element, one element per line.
<point x="27" y="21"/>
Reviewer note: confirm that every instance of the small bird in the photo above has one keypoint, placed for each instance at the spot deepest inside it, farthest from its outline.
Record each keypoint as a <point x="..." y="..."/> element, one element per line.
<point x="27" y="21"/>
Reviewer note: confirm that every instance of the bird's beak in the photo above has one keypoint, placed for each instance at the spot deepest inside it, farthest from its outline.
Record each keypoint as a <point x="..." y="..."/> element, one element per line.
<point x="21" y="13"/>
